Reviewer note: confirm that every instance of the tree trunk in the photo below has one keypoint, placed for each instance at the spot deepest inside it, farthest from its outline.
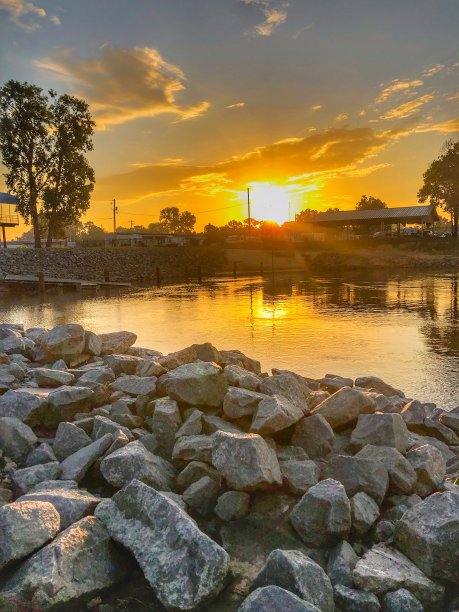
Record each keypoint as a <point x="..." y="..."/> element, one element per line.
<point x="49" y="239"/>
<point x="35" y="224"/>
<point x="456" y="223"/>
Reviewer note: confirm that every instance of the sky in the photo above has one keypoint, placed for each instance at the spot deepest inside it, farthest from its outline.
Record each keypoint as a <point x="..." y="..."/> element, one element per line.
<point x="311" y="104"/>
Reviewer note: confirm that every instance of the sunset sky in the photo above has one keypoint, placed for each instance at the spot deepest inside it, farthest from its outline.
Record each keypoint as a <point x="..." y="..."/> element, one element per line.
<point x="310" y="102"/>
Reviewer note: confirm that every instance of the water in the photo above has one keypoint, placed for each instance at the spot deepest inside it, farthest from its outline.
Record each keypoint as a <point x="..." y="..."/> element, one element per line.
<point x="403" y="327"/>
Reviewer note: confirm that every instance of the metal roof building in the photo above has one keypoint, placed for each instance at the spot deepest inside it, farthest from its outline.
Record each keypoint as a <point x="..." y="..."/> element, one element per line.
<point x="387" y="216"/>
<point x="8" y="213"/>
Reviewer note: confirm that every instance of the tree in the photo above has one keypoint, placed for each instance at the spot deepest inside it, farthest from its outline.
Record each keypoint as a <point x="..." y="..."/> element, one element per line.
<point x="370" y="203"/>
<point x="306" y="215"/>
<point x="24" y="145"/>
<point x="441" y="182"/>
<point x="175" y="222"/>
<point x="70" y="177"/>
<point x="91" y="231"/>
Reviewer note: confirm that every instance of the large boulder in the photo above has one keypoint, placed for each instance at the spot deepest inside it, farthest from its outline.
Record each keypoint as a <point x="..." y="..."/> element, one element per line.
<point x="46" y="377"/>
<point x="402" y="477"/>
<point x="381" y="430"/>
<point x="197" y="384"/>
<point x="135" y="461"/>
<point x="299" y="476"/>
<point x="287" y="385"/>
<point x="344" y="407"/>
<point x="29" y="477"/>
<point x="165" y="423"/>
<point x="357" y="474"/>
<point x="193" y="448"/>
<point x="16" y="439"/>
<point x="275" y="413"/>
<point x="274" y="599"/>
<point x="68" y="440"/>
<point x="75" y="466"/>
<point x="65" y="402"/>
<point x="63" y="342"/>
<point x="428" y="534"/>
<point x="364" y="512"/>
<point x="116" y="342"/>
<point x="383" y="569"/>
<point x="79" y="563"/>
<point x="323" y="515"/>
<point x="135" y="385"/>
<point x="430" y="467"/>
<point x="341" y="563"/>
<point x="299" y="574"/>
<point x="25" y="526"/>
<point x="246" y="461"/>
<point x="184" y="566"/>
<point x="23" y="405"/>
<point x="232" y="505"/>
<point x="314" y="435"/>
<point x="353" y="600"/>
<point x="378" y="385"/>
<point x="240" y="377"/>
<point x="239" y="403"/>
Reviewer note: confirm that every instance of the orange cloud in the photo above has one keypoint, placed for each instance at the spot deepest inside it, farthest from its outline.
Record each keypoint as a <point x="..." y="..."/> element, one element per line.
<point x="124" y="84"/>
<point x="274" y="16"/>
<point x="397" y="87"/>
<point x="407" y="109"/>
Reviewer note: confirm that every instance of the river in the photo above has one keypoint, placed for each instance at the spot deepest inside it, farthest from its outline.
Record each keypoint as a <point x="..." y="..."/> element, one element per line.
<point x="401" y="327"/>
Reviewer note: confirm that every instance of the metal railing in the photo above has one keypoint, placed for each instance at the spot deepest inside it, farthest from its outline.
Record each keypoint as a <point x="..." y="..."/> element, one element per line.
<point x="8" y="215"/>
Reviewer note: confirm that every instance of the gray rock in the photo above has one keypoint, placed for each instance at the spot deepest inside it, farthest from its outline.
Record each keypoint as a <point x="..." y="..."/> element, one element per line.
<point x="358" y="474"/>
<point x="274" y="414"/>
<point x="444" y="449"/>
<point x="25" y="526"/>
<point x="430" y="468"/>
<point x="402" y="477"/>
<point x="102" y="375"/>
<point x="400" y="504"/>
<point x="22" y="405"/>
<point x="122" y="364"/>
<point x="451" y="420"/>
<point x="192" y="426"/>
<point x="193" y="472"/>
<point x="75" y="466"/>
<point x="201" y="496"/>
<point x="240" y="377"/>
<point x="134" y="461"/>
<point x="184" y="566"/>
<point x="92" y="344"/>
<point x="235" y="357"/>
<point x="323" y="515"/>
<point x="373" y="382"/>
<point x="71" y="503"/>
<point x="148" y="367"/>
<point x="45" y="377"/>
<point x="428" y="534"/>
<point x="69" y="439"/>
<point x="364" y="512"/>
<point x="383" y="569"/>
<point x="212" y="423"/>
<point x="352" y="600"/>
<point x="299" y="476"/>
<point x="344" y="407"/>
<point x="245" y="461"/>
<point x="232" y="505"/>
<point x="381" y="430"/>
<point x="384" y="531"/>
<point x="299" y="574"/>
<point x="333" y="383"/>
<point x="16" y="439"/>
<point x="193" y="448"/>
<point x="197" y="384"/>
<point x="116" y="342"/>
<point x="39" y="455"/>
<point x="274" y="599"/>
<point x="291" y="386"/>
<point x="238" y="403"/>
<point x="103" y="425"/>
<point x="164" y="424"/>
<point x="65" y="402"/>
<point x="135" y="385"/>
<point x="341" y="563"/>
<point x="63" y="342"/>
<point x="13" y="345"/>
<point x="314" y="435"/>
<point x="28" y="477"/>
<point x="286" y="453"/>
<point x="80" y="562"/>
<point x="399" y="600"/>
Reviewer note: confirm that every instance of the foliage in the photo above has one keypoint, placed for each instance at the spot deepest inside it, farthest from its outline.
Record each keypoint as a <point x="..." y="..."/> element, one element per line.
<point x="370" y="203"/>
<point x="441" y="182"/>
<point x="175" y="222"/>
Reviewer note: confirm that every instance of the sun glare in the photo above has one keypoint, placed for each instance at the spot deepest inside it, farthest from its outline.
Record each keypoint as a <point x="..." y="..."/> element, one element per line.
<point x="270" y="202"/>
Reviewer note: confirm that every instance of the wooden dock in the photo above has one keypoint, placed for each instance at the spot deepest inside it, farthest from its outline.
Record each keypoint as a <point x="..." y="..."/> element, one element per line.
<point x="49" y="282"/>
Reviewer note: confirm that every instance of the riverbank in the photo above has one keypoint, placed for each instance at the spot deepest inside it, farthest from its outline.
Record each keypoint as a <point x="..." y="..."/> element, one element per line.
<point x="194" y="480"/>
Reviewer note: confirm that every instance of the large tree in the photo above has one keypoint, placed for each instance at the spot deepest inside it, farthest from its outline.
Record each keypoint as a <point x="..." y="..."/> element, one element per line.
<point x="370" y="203"/>
<point x="441" y="182"/>
<point x="70" y="177"/>
<point x="25" y="146"/>
<point x="176" y="222"/>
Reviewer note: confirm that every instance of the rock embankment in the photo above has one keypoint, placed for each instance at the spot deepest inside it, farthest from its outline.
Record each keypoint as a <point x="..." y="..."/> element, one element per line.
<point x="217" y="486"/>
<point x="123" y="264"/>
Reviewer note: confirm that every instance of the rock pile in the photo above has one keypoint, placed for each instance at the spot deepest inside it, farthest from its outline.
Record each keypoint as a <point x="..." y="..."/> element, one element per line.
<point x="218" y="486"/>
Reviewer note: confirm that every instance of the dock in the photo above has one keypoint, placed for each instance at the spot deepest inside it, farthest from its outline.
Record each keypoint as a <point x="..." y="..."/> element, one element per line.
<point x="49" y="282"/>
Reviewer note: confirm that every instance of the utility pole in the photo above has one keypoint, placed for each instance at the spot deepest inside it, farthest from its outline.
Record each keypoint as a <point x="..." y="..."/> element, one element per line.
<point x="248" y="210"/>
<point x="131" y="223"/>
<point x="115" y="210"/>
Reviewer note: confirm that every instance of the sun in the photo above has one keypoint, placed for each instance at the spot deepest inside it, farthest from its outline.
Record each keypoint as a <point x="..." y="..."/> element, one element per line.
<point x="270" y="202"/>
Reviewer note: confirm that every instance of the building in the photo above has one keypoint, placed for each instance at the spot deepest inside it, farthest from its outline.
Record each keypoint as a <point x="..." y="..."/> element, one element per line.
<point x="166" y="240"/>
<point x="9" y="216"/>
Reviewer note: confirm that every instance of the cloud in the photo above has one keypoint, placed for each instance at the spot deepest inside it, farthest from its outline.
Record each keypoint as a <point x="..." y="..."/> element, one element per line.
<point x="433" y="70"/>
<point x="450" y="126"/>
<point x="316" y="107"/>
<point x="407" y="109"/>
<point x="397" y="87"/>
<point x="236" y="105"/>
<point x="55" y="19"/>
<point x="342" y="117"/>
<point x="274" y="16"/>
<point x="123" y="84"/>
<point x="22" y="13"/>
